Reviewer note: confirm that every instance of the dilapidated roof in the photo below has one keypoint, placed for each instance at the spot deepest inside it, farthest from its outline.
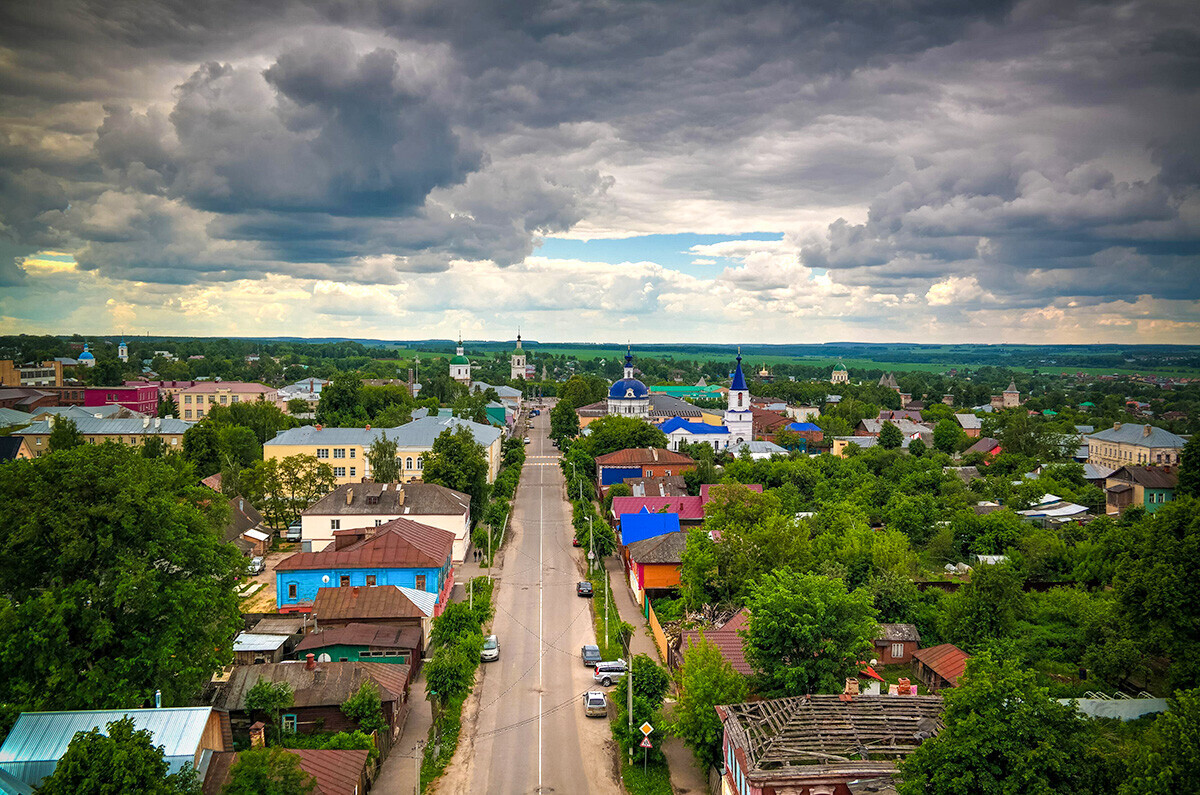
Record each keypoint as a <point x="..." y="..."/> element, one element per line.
<point x="898" y="633"/>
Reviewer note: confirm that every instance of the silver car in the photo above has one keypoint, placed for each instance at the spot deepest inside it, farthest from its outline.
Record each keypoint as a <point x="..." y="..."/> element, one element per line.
<point x="491" y="649"/>
<point x="608" y="672"/>
<point x="595" y="704"/>
<point x="257" y="564"/>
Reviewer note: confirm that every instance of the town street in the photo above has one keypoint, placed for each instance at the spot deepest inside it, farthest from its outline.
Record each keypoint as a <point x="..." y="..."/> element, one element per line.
<point x="530" y="734"/>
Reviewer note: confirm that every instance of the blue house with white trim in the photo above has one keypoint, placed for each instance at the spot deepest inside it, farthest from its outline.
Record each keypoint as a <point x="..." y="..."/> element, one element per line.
<point x="400" y="552"/>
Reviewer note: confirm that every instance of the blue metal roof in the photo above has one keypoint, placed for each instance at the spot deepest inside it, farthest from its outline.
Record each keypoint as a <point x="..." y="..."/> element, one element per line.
<point x="698" y="428"/>
<point x="803" y="426"/>
<point x="39" y="739"/>
<point x="739" y="380"/>
<point x="628" y="388"/>
<point x="643" y="524"/>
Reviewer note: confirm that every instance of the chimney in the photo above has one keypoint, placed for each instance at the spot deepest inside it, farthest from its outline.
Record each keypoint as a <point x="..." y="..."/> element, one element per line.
<point x="1116" y="426"/>
<point x="158" y="699"/>
<point x="1146" y="430"/>
<point x="258" y="734"/>
<point x="349" y="495"/>
<point x="851" y="686"/>
<point x="145" y="422"/>
<point x="368" y="426"/>
<point x="905" y="687"/>
<point x="310" y="661"/>
<point x="317" y="426"/>
<point x="354" y="590"/>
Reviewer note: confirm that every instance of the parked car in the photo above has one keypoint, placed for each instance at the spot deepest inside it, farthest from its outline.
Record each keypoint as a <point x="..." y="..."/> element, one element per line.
<point x="292" y="533"/>
<point x="527" y="440"/>
<point x="257" y="565"/>
<point x="575" y="542"/>
<point x="608" y="672"/>
<point x="595" y="704"/>
<point x="591" y="655"/>
<point x="491" y="649"/>
<point x="583" y="588"/>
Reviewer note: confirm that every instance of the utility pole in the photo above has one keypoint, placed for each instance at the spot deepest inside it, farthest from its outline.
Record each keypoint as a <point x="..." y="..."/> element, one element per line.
<point x="471" y="594"/>
<point x="606" y="607"/>
<point x="629" y="696"/>
<point x="591" y="546"/>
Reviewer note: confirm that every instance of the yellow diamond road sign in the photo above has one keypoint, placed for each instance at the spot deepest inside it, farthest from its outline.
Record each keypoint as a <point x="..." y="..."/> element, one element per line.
<point x="646" y="728"/>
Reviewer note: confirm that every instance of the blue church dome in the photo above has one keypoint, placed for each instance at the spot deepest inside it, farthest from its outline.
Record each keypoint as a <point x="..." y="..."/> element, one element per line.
<point x="86" y="355"/>
<point x="620" y="389"/>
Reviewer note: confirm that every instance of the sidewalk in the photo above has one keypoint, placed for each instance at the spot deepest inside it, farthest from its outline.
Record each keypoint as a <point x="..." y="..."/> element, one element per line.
<point x="398" y="773"/>
<point x="686" y="777"/>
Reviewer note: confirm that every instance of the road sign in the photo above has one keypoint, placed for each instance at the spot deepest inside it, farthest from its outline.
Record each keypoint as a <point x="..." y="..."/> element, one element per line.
<point x="646" y="728"/>
<point x="646" y="743"/>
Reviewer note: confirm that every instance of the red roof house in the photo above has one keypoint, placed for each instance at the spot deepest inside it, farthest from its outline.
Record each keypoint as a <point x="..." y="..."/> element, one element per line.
<point x="940" y="666"/>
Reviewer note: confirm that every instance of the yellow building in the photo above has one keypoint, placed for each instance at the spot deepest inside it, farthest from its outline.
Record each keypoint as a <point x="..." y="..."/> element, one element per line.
<point x="1125" y="444"/>
<point x="133" y="431"/>
<point x="345" y="449"/>
<point x="197" y="400"/>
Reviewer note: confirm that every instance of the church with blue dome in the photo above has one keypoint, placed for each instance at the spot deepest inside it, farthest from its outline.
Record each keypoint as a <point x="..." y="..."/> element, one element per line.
<point x="629" y="397"/>
<point x="87" y="359"/>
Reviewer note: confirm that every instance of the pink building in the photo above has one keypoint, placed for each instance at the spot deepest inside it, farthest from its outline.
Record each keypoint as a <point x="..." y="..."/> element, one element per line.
<point x="139" y="397"/>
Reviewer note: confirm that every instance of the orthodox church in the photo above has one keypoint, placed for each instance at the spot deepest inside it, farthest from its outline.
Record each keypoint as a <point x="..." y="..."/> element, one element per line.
<point x="738" y="424"/>
<point x="518" y="360"/>
<point x="629" y="397"/>
<point x="460" y="366"/>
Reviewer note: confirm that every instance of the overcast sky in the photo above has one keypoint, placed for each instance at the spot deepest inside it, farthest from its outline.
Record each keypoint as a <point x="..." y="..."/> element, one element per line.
<point x="875" y="170"/>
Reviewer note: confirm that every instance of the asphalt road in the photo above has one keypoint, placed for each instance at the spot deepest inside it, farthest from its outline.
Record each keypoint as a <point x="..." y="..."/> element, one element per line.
<point x="531" y="735"/>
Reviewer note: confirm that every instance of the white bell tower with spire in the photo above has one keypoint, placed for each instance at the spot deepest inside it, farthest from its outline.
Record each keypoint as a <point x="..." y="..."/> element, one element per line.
<point x="518" y="360"/>
<point x="738" y="417"/>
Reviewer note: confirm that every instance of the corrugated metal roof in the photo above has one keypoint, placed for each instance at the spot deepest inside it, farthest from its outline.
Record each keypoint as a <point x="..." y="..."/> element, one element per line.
<point x="641" y="456"/>
<point x="642" y="525"/>
<point x="39" y="739"/>
<point x="726" y="639"/>
<point x="687" y="507"/>
<point x="400" y="543"/>
<point x="418" y="434"/>
<point x="947" y="661"/>
<point x="337" y="771"/>
<point x="252" y="641"/>
<point x="898" y="633"/>
<point x="662" y="549"/>
<point x="372" y="635"/>
<point x="133" y="426"/>
<point x="391" y="498"/>
<point x="1136" y="434"/>
<point x="381" y="601"/>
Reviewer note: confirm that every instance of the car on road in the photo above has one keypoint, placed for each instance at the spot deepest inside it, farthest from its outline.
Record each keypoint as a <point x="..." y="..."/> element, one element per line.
<point x="257" y="565"/>
<point x="595" y="704"/>
<point x="491" y="649"/>
<point x="591" y="655"/>
<point x="608" y="672"/>
<point x="292" y="533"/>
<point x="535" y="412"/>
<point x="575" y="542"/>
<point x="527" y="440"/>
<point x="583" y="588"/>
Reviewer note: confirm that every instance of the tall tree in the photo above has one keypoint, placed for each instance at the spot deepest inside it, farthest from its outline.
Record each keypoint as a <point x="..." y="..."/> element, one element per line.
<point x="1189" y="468"/>
<point x="64" y="434"/>
<point x="284" y="487"/>
<point x="458" y="462"/>
<point x="268" y="771"/>
<point x="564" y="422"/>
<point x="946" y="435"/>
<point x="202" y="448"/>
<point x="890" y="437"/>
<point x="339" y="404"/>
<point x="118" y="559"/>
<point x="121" y="760"/>
<point x="985" y="609"/>
<point x="381" y="456"/>
<point x="612" y="433"/>
<point x="1003" y="734"/>
<point x="1169" y="758"/>
<point x="806" y="633"/>
<point x="705" y="680"/>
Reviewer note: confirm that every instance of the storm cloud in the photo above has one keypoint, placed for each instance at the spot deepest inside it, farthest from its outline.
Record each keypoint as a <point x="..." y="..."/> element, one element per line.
<point x="928" y="163"/>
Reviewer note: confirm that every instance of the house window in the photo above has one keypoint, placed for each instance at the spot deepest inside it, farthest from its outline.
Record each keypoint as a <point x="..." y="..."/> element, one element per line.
<point x="378" y="522"/>
<point x="343" y="659"/>
<point x="291" y="590"/>
<point x="335" y="524"/>
<point x="223" y="400"/>
<point x="408" y="463"/>
<point x="339" y="472"/>
<point x="339" y="452"/>
<point x="344" y="580"/>
<point x="352" y="472"/>
<point x="288" y="723"/>
<point x="420" y="463"/>
<point x="353" y="450"/>
<point x="187" y="414"/>
<point x="233" y="399"/>
<point x="39" y="442"/>
<point x="420" y="582"/>
<point x="175" y="440"/>
<point x="897" y="651"/>
<point x="199" y="413"/>
<point x="370" y="579"/>
<point x="322" y="452"/>
<point x="187" y="399"/>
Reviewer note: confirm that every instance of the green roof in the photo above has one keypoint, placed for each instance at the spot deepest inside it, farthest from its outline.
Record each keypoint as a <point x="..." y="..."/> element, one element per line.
<point x="460" y="360"/>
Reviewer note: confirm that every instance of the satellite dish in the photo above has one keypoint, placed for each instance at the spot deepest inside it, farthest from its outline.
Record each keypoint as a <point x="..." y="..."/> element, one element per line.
<point x="874" y="663"/>
<point x="323" y="657"/>
<point x="325" y="579"/>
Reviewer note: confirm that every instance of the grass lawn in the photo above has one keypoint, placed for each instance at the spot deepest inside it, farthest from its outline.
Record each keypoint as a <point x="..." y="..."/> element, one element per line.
<point x="610" y="647"/>
<point x="892" y="674"/>
<point x="655" y="781"/>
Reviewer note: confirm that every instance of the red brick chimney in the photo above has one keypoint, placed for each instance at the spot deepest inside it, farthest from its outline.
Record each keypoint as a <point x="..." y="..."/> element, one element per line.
<point x="258" y="734"/>
<point x="310" y="661"/>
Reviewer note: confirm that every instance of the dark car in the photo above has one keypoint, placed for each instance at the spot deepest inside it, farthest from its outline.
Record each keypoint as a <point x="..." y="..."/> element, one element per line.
<point x="591" y="655"/>
<point x="583" y="588"/>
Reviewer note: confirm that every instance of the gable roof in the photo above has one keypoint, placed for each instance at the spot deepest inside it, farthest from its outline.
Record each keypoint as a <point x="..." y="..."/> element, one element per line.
<point x="372" y="635"/>
<point x="134" y="426"/>
<point x="377" y="602"/>
<point x="898" y="633"/>
<point x="768" y="420"/>
<point x="909" y="428"/>
<point x="400" y="543"/>
<point x="799" y="427"/>
<point x="643" y="524"/>
<point x="969" y="421"/>
<point x="337" y="772"/>
<point x="641" y="456"/>
<point x="695" y="428"/>
<point x="325" y="684"/>
<point x="660" y="549"/>
<point x="662" y="486"/>
<point x="688" y="507"/>
<point x="9" y="417"/>
<point x="1136" y="434"/>
<point x="912" y="415"/>
<point x="10" y="447"/>
<point x="946" y="660"/>
<point x="39" y="739"/>
<point x="985" y="445"/>
<point x="726" y="639"/>
<point x="1147" y="477"/>
<point x="255" y="641"/>
<point x="418" y="499"/>
<point x="418" y="434"/>
<point x="663" y="405"/>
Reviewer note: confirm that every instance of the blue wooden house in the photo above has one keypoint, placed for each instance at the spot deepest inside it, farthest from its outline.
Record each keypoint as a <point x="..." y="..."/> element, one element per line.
<point x="400" y="552"/>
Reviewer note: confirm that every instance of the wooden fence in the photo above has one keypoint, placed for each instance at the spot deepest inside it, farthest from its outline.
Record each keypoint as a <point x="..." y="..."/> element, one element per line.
<point x="656" y="631"/>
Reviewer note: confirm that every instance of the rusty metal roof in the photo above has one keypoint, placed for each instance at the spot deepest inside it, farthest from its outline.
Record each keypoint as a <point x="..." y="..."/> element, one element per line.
<point x="400" y="543"/>
<point x="947" y="661"/>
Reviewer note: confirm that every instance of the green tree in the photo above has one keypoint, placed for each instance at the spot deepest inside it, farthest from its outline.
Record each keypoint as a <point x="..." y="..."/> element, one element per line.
<point x="270" y="697"/>
<point x="450" y="672"/>
<point x="366" y="708"/>
<point x="455" y="621"/>
<point x="154" y="447"/>
<point x="381" y="456"/>
<point x="339" y="405"/>
<point x="650" y="680"/>
<point x="705" y="680"/>
<point x="393" y="416"/>
<point x="239" y="448"/>
<point x="297" y="406"/>
<point x="264" y="419"/>
<point x="268" y="771"/>
<point x="890" y="437"/>
<point x="120" y="761"/>
<point x="947" y="435"/>
<point x="64" y="434"/>
<point x="985" y="609"/>
<point x="916" y="448"/>
<point x="284" y="487"/>
<point x="806" y="633"/>
<point x="116" y="578"/>
<point x="564" y="422"/>
<point x="167" y="407"/>
<point x="458" y="462"/>
<point x="202" y="449"/>
<point x="612" y="433"/>
<point x="1003" y="734"/>
<point x="1189" y="469"/>
<point x="1169" y="758"/>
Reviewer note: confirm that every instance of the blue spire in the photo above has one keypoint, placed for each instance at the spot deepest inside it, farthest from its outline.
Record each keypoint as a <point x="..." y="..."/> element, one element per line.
<point x="628" y="356"/>
<point x="739" y="380"/>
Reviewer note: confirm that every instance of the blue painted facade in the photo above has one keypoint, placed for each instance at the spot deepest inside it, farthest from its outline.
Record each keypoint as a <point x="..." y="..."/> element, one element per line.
<point x="611" y="475"/>
<point x="307" y="581"/>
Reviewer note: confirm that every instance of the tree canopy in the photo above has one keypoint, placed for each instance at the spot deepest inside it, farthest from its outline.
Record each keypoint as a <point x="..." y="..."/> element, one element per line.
<point x="458" y="462"/>
<point x="705" y="680"/>
<point x="117" y="761"/>
<point x="268" y="771"/>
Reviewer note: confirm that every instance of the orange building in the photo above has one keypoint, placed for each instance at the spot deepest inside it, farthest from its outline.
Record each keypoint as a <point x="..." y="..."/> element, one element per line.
<point x="654" y="563"/>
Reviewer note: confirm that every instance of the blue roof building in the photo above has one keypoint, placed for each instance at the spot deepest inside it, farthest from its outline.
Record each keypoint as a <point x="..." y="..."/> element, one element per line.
<point x="628" y="396"/>
<point x="643" y="524"/>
